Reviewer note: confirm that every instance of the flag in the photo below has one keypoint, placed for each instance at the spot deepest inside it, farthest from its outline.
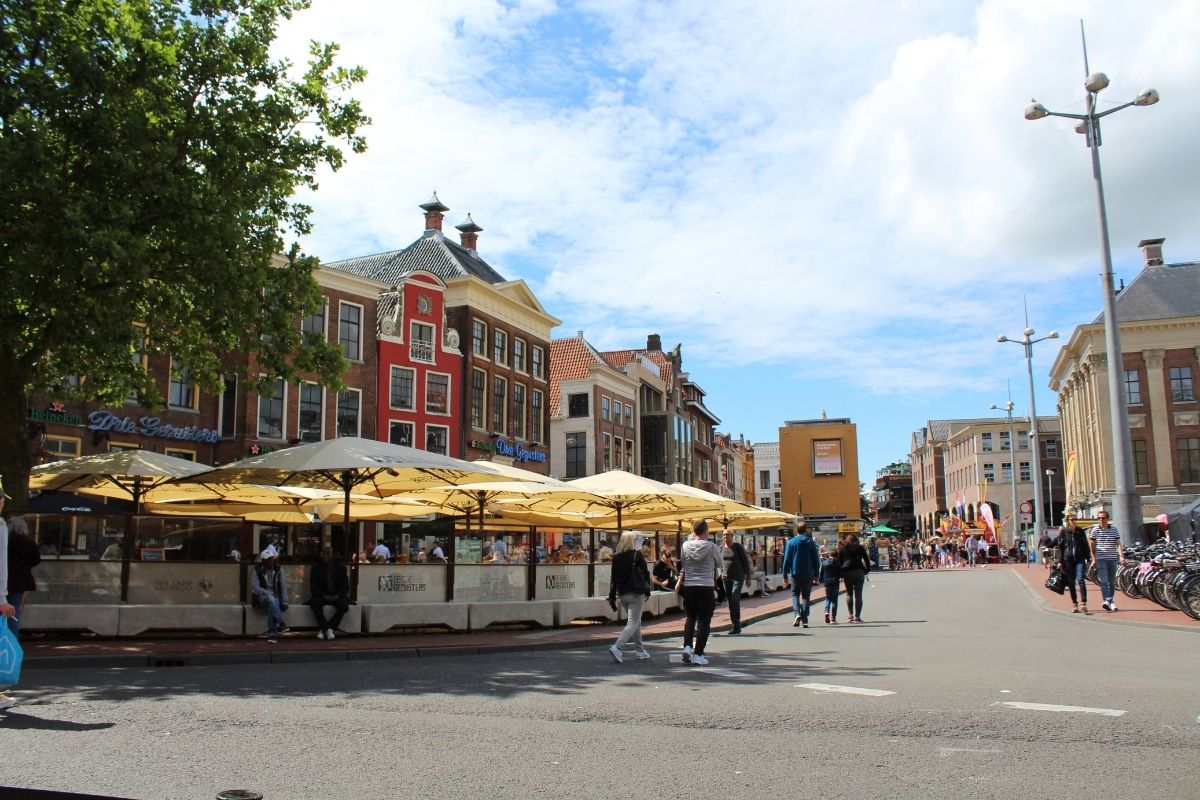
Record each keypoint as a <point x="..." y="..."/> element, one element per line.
<point x="1072" y="457"/>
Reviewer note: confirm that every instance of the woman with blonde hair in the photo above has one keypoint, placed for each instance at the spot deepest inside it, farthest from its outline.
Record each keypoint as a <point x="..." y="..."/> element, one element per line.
<point x="631" y="582"/>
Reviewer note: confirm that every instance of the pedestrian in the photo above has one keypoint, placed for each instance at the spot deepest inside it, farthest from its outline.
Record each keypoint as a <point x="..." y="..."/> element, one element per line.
<point x="23" y="556"/>
<point x="1073" y="553"/>
<point x="700" y="561"/>
<point x="801" y="563"/>
<point x="6" y="608"/>
<point x="328" y="585"/>
<point x="831" y="576"/>
<point x="855" y="565"/>
<point x="1046" y="546"/>
<point x="1106" y="550"/>
<point x="736" y="573"/>
<point x="268" y="591"/>
<point x="630" y="580"/>
<point x="1023" y="552"/>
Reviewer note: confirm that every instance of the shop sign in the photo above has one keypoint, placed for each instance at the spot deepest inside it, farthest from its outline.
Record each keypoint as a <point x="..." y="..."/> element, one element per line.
<point x="105" y="420"/>
<point x="517" y="450"/>
<point x="54" y="414"/>
<point x="847" y="527"/>
<point x="485" y="446"/>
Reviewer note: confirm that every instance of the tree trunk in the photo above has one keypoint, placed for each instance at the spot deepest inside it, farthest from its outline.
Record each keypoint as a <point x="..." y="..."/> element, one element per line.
<point x="15" y="459"/>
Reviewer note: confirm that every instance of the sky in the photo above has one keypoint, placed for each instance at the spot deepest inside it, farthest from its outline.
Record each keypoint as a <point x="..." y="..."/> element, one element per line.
<point x="834" y="207"/>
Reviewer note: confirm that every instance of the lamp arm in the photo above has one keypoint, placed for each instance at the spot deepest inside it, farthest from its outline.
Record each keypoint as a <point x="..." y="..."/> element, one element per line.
<point x="1069" y="116"/>
<point x="1114" y="109"/>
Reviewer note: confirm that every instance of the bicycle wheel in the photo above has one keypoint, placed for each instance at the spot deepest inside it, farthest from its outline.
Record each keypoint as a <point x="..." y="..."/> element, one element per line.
<point x="1189" y="596"/>
<point x="1178" y="579"/>
<point x="1158" y="590"/>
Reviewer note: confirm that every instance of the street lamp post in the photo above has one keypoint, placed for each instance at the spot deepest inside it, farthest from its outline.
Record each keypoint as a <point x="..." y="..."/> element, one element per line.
<point x="1127" y="504"/>
<point x="1012" y="454"/>
<point x="1027" y="341"/>
<point x="1050" y="492"/>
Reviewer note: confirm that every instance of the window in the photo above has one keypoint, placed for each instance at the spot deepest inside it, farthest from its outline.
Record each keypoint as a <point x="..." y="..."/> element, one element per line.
<point x="400" y="433"/>
<point x="350" y="330"/>
<point x="1006" y="472"/>
<point x="706" y="470"/>
<point x="186" y="455"/>
<point x="989" y="472"/>
<point x="227" y="414"/>
<point x="181" y="394"/>
<point x="518" y="414"/>
<point x="606" y="441"/>
<point x="1024" y="470"/>
<point x="119" y="447"/>
<point x="499" y="405"/>
<point x="519" y="354"/>
<point x="1189" y="460"/>
<point x="270" y="412"/>
<point x="764" y="479"/>
<point x="535" y="416"/>
<point x="312" y="412"/>
<point x="138" y="357"/>
<point x="479" y="338"/>
<point x="618" y="452"/>
<point x="436" y="437"/>
<point x="987" y="442"/>
<point x="1133" y="387"/>
<point x="535" y="362"/>
<point x="629" y="465"/>
<point x="478" y="399"/>
<point x="1005" y="441"/>
<point x="59" y="447"/>
<point x="500" y="347"/>
<point x="628" y="416"/>
<point x="577" y="405"/>
<point x="1141" y="463"/>
<point x="403" y="390"/>
<point x="1181" y="386"/>
<point x="576" y="455"/>
<point x="1052" y="448"/>
<point x="437" y="393"/>
<point x="348" y="405"/>
<point x="313" y="325"/>
<point x="1022" y="440"/>
<point x="604" y="409"/>
<point x="420" y="344"/>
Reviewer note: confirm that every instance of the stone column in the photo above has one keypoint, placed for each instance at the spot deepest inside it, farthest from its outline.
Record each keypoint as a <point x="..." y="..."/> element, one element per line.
<point x="1160" y="421"/>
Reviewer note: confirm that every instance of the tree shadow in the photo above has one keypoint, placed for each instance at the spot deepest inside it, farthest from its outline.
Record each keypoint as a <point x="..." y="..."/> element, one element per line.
<point x="19" y="721"/>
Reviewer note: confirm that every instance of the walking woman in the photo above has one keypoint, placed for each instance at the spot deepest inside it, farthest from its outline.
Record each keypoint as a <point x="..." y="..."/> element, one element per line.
<point x="701" y="563"/>
<point x="1073" y="553"/>
<point x="631" y="582"/>
<point x="855" y="565"/>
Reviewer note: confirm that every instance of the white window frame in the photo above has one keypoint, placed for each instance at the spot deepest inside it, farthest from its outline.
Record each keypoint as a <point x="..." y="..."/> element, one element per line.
<point x="416" y="346"/>
<point x="412" y="430"/>
<point x="299" y="407"/>
<point x="391" y="383"/>
<point x="324" y="321"/>
<point x="605" y="408"/>
<point x="50" y="437"/>
<point x="193" y="390"/>
<point x="501" y="407"/>
<point x="221" y="432"/>
<point x="541" y="362"/>
<point x="337" y="422"/>
<point x="449" y="393"/>
<point x="428" y="428"/>
<point x="523" y="367"/>
<point x="362" y="316"/>
<point x="504" y="350"/>
<point x="523" y="404"/>
<point x="179" y="452"/>
<point x="282" y="397"/>
<point x="486" y="339"/>
<point x="541" y="428"/>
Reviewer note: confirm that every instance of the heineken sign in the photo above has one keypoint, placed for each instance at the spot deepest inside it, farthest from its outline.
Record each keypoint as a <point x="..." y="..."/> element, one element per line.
<point x="104" y="420"/>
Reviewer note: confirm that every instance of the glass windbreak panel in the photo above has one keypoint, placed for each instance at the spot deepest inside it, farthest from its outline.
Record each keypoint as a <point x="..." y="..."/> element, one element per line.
<point x="184" y="584"/>
<point x="493" y="547"/>
<point x="417" y="541"/>
<point x="77" y="537"/>
<point x="186" y="539"/>
<point x="563" y="546"/>
<point x="487" y="583"/>
<point x="73" y="582"/>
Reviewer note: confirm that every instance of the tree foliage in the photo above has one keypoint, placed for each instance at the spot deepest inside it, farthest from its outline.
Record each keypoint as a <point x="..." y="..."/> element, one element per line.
<point x="151" y="153"/>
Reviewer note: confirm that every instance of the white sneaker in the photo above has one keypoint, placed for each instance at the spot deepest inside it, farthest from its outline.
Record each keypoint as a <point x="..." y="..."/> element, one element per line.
<point x="320" y="634"/>
<point x="687" y="655"/>
<point x="6" y="702"/>
<point x="701" y="660"/>
<point x="1112" y="606"/>
<point x="329" y="634"/>
<point x="616" y="654"/>
<point x="643" y="654"/>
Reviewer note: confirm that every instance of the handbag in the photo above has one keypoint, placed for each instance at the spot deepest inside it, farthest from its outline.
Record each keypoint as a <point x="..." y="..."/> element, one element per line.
<point x="11" y="656"/>
<point x="1057" y="582"/>
<point x="637" y="578"/>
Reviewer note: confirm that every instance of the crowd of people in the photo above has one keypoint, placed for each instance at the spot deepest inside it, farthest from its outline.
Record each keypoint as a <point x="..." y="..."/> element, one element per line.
<point x="942" y="552"/>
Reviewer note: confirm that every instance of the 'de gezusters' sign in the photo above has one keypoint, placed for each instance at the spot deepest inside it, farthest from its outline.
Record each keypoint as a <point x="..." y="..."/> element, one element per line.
<point x="104" y="420"/>
<point x="517" y="450"/>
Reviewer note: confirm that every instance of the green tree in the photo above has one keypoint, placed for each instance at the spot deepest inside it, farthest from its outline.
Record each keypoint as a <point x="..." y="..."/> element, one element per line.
<point x="151" y="152"/>
<point x="864" y="501"/>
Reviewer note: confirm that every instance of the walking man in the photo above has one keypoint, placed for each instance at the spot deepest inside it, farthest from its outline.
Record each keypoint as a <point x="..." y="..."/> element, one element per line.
<point x="1106" y="552"/>
<point x="801" y="563"/>
<point x="737" y="572"/>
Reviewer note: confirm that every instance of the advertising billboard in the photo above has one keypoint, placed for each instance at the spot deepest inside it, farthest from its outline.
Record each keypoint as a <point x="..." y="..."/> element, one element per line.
<point x="827" y="457"/>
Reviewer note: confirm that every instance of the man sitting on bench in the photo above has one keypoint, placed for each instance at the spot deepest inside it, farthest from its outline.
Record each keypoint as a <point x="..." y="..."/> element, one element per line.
<point x="330" y="587"/>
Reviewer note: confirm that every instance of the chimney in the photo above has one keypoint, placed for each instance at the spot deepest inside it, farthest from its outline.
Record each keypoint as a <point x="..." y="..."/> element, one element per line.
<point x="654" y="342"/>
<point x="1152" y="251"/>
<point x="434" y="210"/>
<point x="469" y="233"/>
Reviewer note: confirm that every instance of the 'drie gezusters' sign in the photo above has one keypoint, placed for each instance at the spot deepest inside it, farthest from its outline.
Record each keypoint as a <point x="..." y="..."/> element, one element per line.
<point x="104" y="420"/>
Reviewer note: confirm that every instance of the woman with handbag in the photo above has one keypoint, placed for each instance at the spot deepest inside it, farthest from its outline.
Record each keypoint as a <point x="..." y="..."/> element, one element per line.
<point x="1073" y="552"/>
<point x="701" y="568"/>
<point x="855" y="566"/>
<point x="631" y="582"/>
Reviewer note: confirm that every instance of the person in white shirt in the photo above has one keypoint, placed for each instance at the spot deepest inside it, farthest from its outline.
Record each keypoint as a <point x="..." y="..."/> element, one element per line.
<point x="381" y="554"/>
<point x="499" y="551"/>
<point x="437" y="555"/>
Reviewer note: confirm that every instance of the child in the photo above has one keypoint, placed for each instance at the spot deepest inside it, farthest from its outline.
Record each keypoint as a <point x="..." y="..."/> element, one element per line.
<point x="831" y="576"/>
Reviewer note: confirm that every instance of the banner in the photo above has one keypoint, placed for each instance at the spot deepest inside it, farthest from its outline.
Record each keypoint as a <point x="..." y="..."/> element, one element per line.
<point x="827" y="457"/>
<point x="1072" y="457"/>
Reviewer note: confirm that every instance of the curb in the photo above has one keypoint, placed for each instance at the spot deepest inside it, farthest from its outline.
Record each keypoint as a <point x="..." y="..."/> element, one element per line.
<point x="1095" y="617"/>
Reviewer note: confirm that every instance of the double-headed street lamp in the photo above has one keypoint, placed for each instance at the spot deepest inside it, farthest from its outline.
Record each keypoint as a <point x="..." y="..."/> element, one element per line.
<point x="1027" y="341"/>
<point x="1012" y="454"/>
<point x="1127" y="504"/>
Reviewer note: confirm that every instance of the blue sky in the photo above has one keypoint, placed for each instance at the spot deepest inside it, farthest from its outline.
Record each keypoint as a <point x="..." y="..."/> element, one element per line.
<point x="833" y="207"/>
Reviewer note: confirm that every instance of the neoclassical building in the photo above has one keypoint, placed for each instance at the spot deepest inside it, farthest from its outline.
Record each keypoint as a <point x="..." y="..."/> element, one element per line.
<point x="1159" y="316"/>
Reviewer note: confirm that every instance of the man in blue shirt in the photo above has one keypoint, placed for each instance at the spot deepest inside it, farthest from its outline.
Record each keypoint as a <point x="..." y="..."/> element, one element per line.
<point x="801" y="563"/>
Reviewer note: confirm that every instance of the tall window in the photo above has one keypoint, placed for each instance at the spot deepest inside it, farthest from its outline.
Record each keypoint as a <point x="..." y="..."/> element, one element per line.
<point x="350" y="330"/>
<point x="400" y="433"/>
<point x="312" y="412"/>
<point x="182" y="394"/>
<point x="987" y="442"/>
<point x="606" y="445"/>
<point x="1006" y="472"/>
<point x="437" y="393"/>
<point x="1141" y="462"/>
<point x="518" y="413"/>
<point x="519" y="354"/>
<point x="618" y="452"/>
<point x="1133" y="387"/>
<point x="1005" y="442"/>
<point x="499" y="405"/>
<point x="479" y="338"/>
<point x="313" y="325"/>
<point x="229" y="407"/>
<point x="420" y="345"/>
<point x="500" y="347"/>
<point x="989" y="472"/>
<point x="1052" y="448"/>
<point x="436" y="438"/>
<point x="604" y="408"/>
<point x="706" y="470"/>
<point x="577" y="405"/>
<point x="348" y="405"/>
<point x="1181" y="385"/>
<point x="1189" y="460"/>
<point x="535" y="362"/>
<point x="535" y="416"/>
<point x="138" y="357"/>
<point x="270" y="412"/>
<point x="403" y="390"/>
<point x="628" y="416"/>
<point x="629" y="463"/>
<point x="576" y="455"/>
<point x="478" y="399"/>
<point x="1024" y="471"/>
<point x="1022" y="440"/>
<point x="764" y="479"/>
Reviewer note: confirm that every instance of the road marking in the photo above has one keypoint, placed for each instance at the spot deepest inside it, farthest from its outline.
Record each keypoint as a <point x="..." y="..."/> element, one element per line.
<point x="724" y="673"/>
<point x="828" y="687"/>
<point x="1104" y="712"/>
<point x="948" y="750"/>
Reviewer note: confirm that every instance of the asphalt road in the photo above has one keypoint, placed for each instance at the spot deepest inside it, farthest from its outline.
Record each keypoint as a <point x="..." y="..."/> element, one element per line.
<point x="952" y="648"/>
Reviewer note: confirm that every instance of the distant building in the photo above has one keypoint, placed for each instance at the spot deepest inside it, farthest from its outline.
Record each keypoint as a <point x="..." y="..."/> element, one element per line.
<point x="927" y="452"/>
<point x="735" y="468"/>
<point x="766" y="476"/>
<point x="666" y="429"/>
<point x="819" y="469"/>
<point x="892" y="497"/>
<point x="702" y="424"/>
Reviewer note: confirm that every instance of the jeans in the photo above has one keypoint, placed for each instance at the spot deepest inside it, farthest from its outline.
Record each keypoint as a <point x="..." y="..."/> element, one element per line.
<point x="1106" y="573"/>
<point x="14" y="622"/>
<point x="854" y="580"/>
<point x="831" y="598"/>
<point x="733" y="593"/>
<point x="699" y="603"/>
<point x="1076" y="573"/>
<point x="274" y="613"/>
<point x="634" y="602"/>
<point x="801" y="590"/>
<point x="340" y="605"/>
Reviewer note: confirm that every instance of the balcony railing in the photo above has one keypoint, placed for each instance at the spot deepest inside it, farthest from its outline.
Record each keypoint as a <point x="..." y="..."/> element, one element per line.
<point x="420" y="351"/>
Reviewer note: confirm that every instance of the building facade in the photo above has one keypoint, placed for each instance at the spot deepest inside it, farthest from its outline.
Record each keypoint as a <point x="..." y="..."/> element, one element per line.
<point x="665" y="428"/>
<point x="702" y="428"/>
<point x="892" y="498"/>
<point x="767" y="485"/>
<point x="927" y="452"/>
<point x="818" y="469"/>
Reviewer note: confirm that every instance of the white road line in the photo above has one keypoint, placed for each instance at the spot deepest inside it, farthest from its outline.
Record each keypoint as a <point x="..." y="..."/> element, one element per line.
<point x="948" y="750"/>
<point x="1104" y="712"/>
<point x="827" y="687"/>
<point x="724" y="673"/>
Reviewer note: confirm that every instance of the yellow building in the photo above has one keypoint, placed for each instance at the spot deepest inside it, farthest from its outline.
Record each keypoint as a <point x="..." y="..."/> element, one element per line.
<point x="818" y="469"/>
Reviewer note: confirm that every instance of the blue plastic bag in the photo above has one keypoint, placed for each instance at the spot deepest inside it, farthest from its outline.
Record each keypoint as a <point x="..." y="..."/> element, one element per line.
<point x="11" y="656"/>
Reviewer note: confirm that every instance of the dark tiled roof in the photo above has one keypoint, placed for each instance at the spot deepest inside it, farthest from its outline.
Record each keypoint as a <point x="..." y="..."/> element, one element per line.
<point x="1162" y="292"/>
<point x="433" y="252"/>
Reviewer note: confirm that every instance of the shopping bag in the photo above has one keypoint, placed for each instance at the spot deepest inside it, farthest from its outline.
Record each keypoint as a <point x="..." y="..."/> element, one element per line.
<point x="1057" y="582"/>
<point x="11" y="656"/>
